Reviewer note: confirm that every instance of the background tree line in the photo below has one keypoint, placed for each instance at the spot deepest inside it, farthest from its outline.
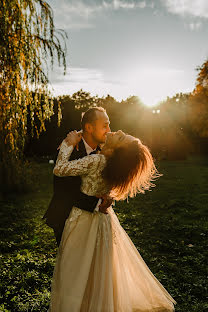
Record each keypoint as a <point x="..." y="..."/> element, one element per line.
<point x="174" y="129"/>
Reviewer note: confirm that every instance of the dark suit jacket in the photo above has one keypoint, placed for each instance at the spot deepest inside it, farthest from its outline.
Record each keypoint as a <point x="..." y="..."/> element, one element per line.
<point x="66" y="194"/>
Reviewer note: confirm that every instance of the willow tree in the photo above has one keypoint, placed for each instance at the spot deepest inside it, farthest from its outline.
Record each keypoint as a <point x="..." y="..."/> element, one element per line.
<point x="29" y="44"/>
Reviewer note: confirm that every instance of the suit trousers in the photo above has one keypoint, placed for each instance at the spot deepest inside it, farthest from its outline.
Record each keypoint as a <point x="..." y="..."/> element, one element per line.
<point x="58" y="235"/>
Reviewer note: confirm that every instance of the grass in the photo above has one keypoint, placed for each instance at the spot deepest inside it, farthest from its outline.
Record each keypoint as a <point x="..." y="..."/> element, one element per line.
<point x="168" y="226"/>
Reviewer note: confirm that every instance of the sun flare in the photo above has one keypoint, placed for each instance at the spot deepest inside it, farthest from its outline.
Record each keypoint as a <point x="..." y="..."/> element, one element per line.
<point x="153" y="85"/>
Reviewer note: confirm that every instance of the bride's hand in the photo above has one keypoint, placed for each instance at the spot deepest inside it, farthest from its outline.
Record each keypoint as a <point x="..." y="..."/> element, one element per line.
<point x="73" y="138"/>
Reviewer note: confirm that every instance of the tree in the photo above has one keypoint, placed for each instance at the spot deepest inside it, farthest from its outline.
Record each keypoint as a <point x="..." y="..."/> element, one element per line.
<point x="71" y="110"/>
<point x="132" y="112"/>
<point x="202" y="78"/>
<point x="172" y="129"/>
<point x="84" y="100"/>
<point x="27" y="39"/>
<point x="199" y="103"/>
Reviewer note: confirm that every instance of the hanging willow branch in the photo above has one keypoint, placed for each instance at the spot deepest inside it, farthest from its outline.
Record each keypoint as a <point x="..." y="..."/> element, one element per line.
<point x="28" y="39"/>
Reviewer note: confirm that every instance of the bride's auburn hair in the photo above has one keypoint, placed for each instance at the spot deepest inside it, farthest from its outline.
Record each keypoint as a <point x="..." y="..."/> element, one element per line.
<point x="130" y="170"/>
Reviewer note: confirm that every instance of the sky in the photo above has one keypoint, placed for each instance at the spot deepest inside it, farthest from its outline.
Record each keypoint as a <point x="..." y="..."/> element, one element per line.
<point x="146" y="48"/>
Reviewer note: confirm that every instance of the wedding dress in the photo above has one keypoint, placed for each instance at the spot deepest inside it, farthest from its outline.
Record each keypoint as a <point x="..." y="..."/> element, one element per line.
<point x="98" y="268"/>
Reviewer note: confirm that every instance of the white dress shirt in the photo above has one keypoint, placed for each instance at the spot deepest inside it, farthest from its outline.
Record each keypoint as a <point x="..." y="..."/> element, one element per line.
<point x="87" y="147"/>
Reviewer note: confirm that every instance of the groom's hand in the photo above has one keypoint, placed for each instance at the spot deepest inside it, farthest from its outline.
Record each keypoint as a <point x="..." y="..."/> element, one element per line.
<point x="106" y="202"/>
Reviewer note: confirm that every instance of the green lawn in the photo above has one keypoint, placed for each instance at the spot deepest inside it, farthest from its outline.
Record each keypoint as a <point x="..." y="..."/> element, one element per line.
<point x="168" y="226"/>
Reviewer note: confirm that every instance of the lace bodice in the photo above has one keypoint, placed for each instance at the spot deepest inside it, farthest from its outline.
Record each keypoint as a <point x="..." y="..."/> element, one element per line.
<point x="88" y="167"/>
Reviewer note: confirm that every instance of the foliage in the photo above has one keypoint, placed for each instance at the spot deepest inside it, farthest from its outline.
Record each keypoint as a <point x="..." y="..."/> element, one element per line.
<point x="27" y="39"/>
<point x="123" y="115"/>
<point x="71" y="108"/>
<point x="178" y="130"/>
<point x="84" y="100"/>
<point x="199" y="113"/>
<point x="168" y="134"/>
<point x="127" y="114"/>
<point x="176" y="110"/>
<point x="202" y="78"/>
<point x="167" y="225"/>
<point x="199" y="103"/>
<point x="175" y="126"/>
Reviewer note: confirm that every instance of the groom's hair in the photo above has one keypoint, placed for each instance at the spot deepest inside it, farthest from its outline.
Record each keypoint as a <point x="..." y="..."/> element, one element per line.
<point x="90" y="116"/>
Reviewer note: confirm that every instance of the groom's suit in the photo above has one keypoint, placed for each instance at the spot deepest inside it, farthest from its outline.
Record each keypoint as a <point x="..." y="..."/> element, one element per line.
<point x="66" y="194"/>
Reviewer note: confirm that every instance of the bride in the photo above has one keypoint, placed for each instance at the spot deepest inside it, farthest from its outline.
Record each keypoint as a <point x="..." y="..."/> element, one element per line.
<point x="98" y="268"/>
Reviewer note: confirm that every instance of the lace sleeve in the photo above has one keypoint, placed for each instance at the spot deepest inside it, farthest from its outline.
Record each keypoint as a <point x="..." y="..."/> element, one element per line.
<point x="78" y="167"/>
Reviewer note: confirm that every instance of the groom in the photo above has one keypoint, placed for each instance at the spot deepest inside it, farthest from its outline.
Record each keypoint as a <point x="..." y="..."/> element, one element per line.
<point x="95" y="126"/>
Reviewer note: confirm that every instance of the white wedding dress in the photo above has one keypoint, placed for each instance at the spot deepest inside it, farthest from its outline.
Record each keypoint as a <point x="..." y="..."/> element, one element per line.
<point x="98" y="268"/>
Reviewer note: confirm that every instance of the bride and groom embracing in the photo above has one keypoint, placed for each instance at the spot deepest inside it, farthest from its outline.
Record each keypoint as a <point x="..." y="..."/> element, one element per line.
<point x="98" y="268"/>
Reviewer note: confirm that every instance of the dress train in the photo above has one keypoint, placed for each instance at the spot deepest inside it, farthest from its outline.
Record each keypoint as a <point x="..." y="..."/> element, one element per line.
<point x="99" y="269"/>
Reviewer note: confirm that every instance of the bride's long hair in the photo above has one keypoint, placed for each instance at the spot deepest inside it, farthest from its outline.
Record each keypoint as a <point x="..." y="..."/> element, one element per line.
<point x="130" y="170"/>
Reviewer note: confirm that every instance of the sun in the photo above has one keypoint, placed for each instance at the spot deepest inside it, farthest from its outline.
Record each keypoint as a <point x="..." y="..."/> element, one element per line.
<point x="153" y="85"/>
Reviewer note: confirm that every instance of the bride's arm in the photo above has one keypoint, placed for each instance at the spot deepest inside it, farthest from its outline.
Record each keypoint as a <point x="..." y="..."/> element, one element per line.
<point x="81" y="166"/>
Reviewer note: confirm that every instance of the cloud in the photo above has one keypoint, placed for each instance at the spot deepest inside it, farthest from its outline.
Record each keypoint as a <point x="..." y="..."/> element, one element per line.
<point x="80" y="13"/>
<point x="70" y="14"/>
<point x="195" y="26"/>
<point x="161" y="81"/>
<point x="87" y="79"/>
<point x="151" y="5"/>
<point x="187" y="8"/>
<point x="117" y="4"/>
<point x="75" y="74"/>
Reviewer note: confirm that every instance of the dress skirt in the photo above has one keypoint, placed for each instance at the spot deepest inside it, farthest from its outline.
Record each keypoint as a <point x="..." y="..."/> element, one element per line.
<point x="99" y="269"/>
